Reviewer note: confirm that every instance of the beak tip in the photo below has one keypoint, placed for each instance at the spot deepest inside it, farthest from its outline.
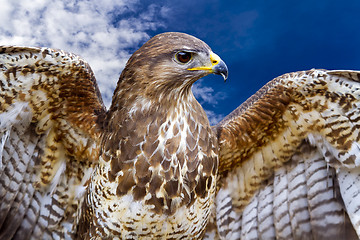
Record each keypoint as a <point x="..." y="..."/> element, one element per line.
<point x="224" y="76"/>
<point x="221" y="69"/>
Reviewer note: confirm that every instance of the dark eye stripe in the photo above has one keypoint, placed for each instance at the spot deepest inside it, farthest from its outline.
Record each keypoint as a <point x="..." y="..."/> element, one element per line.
<point x="183" y="57"/>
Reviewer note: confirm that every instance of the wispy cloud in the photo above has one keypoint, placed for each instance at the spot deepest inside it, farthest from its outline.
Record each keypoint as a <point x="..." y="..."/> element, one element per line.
<point x="213" y="117"/>
<point x="206" y="94"/>
<point x="102" y="32"/>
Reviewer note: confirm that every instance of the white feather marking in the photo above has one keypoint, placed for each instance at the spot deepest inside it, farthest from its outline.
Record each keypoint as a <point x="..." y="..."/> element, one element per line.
<point x="355" y="151"/>
<point x="313" y="139"/>
<point x="249" y="220"/>
<point x="55" y="181"/>
<point x="10" y="117"/>
<point x="228" y="221"/>
<point x="349" y="183"/>
<point x="324" y="146"/>
<point x="4" y="138"/>
<point x="141" y="104"/>
<point x="81" y="189"/>
<point x="44" y="211"/>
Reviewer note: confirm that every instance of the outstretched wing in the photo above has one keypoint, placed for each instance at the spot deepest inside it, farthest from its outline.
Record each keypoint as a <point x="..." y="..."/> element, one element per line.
<point x="50" y="122"/>
<point x="289" y="159"/>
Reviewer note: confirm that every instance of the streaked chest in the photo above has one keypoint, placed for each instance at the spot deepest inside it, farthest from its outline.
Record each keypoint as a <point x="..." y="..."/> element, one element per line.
<point x="162" y="178"/>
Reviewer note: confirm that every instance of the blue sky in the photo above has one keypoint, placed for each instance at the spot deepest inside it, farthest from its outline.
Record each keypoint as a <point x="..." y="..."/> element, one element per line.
<point x="259" y="40"/>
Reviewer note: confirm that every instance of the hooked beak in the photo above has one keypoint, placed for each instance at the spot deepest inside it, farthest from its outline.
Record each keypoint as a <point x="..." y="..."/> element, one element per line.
<point x="218" y="66"/>
<point x="221" y="69"/>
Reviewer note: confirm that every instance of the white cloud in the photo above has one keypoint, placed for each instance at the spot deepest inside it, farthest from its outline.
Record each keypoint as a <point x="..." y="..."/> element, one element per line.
<point x="206" y="94"/>
<point x="92" y="29"/>
<point x="213" y="117"/>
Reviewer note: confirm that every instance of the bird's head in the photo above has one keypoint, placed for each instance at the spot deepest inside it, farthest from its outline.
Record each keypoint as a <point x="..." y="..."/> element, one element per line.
<point x="174" y="60"/>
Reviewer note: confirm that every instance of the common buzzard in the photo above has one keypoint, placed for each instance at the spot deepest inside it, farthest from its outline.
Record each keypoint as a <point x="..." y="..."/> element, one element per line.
<point x="284" y="164"/>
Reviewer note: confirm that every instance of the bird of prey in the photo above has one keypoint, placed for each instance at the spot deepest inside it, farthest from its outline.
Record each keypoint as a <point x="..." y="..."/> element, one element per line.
<point x="284" y="164"/>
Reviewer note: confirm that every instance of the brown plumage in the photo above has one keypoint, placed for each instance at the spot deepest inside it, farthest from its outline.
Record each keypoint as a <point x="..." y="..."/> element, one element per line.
<point x="282" y="165"/>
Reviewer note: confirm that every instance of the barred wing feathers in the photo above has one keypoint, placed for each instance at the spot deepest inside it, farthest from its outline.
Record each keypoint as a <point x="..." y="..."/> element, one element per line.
<point x="50" y="114"/>
<point x="289" y="160"/>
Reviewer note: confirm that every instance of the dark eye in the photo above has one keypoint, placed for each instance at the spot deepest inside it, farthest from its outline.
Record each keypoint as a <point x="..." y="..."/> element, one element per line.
<point x="183" y="57"/>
